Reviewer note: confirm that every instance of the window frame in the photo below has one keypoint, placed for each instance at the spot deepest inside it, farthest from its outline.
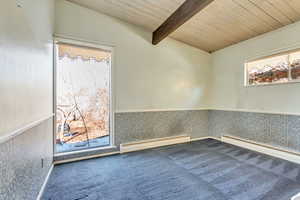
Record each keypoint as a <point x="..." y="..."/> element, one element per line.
<point x="270" y="55"/>
<point x="92" y="44"/>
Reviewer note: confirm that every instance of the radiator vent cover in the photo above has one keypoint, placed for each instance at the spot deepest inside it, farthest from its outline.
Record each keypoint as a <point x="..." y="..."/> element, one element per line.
<point x="147" y="144"/>
<point x="296" y="197"/>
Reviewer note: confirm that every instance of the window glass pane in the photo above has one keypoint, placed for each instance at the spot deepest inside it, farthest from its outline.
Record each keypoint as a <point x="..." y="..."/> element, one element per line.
<point x="82" y="98"/>
<point x="295" y="65"/>
<point x="269" y="70"/>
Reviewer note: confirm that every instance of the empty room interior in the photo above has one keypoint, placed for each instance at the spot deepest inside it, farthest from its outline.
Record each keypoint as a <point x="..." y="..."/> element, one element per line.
<point x="150" y="100"/>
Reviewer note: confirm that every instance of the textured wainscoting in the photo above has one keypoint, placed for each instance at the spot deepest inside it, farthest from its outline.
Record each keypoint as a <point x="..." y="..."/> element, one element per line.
<point x="130" y="127"/>
<point x="273" y="129"/>
<point x="22" y="173"/>
<point x="137" y="126"/>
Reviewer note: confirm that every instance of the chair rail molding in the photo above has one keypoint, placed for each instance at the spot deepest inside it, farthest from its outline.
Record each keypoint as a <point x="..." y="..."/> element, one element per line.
<point x="9" y="135"/>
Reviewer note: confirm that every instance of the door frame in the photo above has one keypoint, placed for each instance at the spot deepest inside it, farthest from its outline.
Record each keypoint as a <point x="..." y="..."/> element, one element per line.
<point x="92" y="44"/>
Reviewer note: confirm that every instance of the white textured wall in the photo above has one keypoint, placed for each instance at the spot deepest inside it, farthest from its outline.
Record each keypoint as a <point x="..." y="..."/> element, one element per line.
<point x="25" y="62"/>
<point x="227" y="86"/>
<point x="171" y="75"/>
<point x="25" y="96"/>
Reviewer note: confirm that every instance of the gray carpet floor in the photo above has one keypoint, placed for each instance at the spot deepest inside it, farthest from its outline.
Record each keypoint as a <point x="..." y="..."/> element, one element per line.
<point x="202" y="170"/>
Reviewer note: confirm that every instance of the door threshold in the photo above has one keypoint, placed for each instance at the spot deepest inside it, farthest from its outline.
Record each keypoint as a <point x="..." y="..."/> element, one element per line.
<point x="86" y="157"/>
<point x="83" y="154"/>
<point x="84" y="150"/>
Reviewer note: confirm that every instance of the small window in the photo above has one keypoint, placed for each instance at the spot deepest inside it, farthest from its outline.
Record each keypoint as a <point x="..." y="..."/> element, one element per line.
<point x="279" y="68"/>
<point x="295" y="65"/>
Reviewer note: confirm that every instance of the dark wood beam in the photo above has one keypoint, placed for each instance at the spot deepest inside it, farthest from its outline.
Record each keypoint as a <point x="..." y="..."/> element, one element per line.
<point x="186" y="11"/>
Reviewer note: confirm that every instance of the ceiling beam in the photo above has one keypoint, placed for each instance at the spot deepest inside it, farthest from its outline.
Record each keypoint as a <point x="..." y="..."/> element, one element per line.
<point x="185" y="12"/>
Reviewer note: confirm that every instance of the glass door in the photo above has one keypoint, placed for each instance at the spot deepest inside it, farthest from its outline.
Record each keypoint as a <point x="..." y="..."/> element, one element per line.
<point x="83" y="99"/>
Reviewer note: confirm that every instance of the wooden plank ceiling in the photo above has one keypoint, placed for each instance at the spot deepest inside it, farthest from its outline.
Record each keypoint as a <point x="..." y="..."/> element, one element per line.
<point x="221" y="24"/>
<point x="184" y="13"/>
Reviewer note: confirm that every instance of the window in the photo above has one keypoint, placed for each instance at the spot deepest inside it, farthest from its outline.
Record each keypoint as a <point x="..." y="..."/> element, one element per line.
<point x="279" y="68"/>
<point x="295" y="65"/>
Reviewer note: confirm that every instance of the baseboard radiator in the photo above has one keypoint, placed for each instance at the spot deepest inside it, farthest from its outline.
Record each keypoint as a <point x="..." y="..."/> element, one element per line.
<point x="147" y="144"/>
<point x="284" y="154"/>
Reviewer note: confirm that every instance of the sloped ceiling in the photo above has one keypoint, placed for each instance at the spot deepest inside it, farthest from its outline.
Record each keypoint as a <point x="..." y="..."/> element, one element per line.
<point x="221" y="24"/>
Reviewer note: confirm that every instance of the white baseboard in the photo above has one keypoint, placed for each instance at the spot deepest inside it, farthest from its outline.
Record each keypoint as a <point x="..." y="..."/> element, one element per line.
<point x="296" y="197"/>
<point x="45" y="183"/>
<point x="147" y="144"/>
<point x="263" y="148"/>
<point x="204" y="138"/>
